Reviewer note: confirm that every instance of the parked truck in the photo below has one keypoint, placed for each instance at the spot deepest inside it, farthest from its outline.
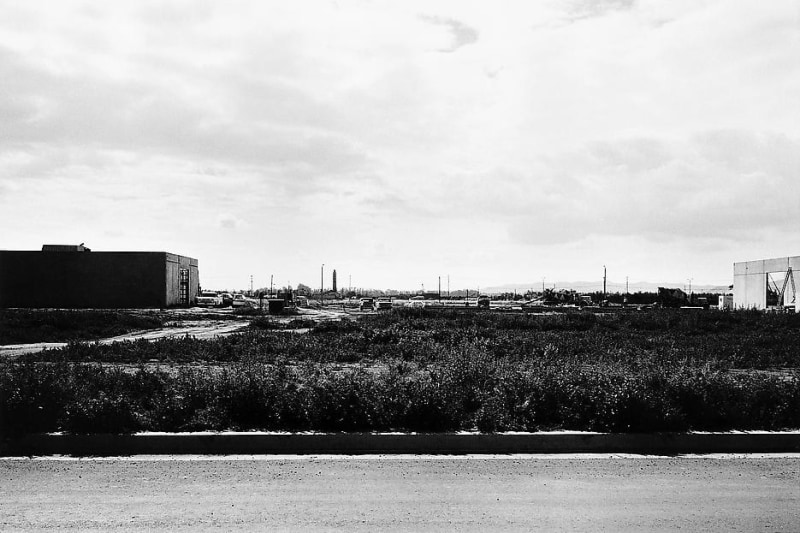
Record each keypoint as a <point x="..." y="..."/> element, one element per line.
<point x="209" y="299"/>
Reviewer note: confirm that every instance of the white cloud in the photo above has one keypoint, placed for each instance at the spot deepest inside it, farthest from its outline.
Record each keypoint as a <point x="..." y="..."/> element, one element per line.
<point x="231" y="222"/>
<point x="710" y="185"/>
<point x="462" y="34"/>
<point x="340" y="131"/>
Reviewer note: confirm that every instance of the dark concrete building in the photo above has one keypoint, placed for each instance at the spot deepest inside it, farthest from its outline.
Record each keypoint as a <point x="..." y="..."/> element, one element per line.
<point x="69" y="276"/>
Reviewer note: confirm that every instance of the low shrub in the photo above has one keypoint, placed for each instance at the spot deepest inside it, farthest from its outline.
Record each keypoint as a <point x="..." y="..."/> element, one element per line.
<point x="20" y="326"/>
<point x="419" y="370"/>
<point x="637" y="339"/>
<point x="463" y="393"/>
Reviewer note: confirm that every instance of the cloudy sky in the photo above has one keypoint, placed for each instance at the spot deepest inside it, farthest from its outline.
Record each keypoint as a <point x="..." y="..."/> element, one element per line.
<point x="401" y="141"/>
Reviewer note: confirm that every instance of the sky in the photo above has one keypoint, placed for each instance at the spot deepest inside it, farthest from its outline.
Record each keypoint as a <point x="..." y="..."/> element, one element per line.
<point x="396" y="142"/>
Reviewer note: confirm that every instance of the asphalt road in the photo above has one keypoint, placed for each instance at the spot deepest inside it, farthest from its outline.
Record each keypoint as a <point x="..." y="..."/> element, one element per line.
<point x="480" y="493"/>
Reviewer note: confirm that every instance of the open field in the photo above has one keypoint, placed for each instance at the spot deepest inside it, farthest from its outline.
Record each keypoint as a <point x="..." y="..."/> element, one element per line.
<point x="422" y="370"/>
<point x="51" y="329"/>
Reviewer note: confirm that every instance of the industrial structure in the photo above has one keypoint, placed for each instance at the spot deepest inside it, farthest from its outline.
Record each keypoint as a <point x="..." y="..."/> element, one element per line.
<point x="70" y="276"/>
<point x="766" y="284"/>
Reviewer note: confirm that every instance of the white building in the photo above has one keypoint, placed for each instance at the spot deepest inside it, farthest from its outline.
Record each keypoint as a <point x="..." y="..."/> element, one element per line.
<point x="764" y="283"/>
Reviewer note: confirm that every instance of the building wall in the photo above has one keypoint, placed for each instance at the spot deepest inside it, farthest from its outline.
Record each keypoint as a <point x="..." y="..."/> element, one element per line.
<point x="750" y="281"/>
<point x="86" y="279"/>
<point x="174" y="265"/>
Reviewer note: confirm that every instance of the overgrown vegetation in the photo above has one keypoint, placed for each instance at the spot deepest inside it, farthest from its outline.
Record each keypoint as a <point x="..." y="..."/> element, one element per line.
<point x="417" y="370"/>
<point x="20" y="326"/>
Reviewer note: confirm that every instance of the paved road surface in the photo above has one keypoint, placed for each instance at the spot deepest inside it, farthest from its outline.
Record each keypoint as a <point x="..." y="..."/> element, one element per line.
<point x="486" y="493"/>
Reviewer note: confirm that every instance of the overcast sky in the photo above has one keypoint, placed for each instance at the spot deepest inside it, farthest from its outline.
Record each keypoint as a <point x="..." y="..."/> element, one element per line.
<point x="494" y="142"/>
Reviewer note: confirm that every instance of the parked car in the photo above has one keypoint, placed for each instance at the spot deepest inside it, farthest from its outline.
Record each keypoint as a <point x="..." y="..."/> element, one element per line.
<point x="383" y="304"/>
<point x="366" y="304"/>
<point x="239" y="300"/>
<point x="227" y="299"/>
<point x="209" y="299"/>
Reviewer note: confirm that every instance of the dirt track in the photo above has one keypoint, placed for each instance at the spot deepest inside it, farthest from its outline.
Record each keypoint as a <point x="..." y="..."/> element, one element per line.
<point x="195" y="322"/>
<point x="201" y="329"/>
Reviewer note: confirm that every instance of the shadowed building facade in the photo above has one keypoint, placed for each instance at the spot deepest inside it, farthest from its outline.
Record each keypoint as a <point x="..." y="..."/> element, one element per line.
<point x="68" y="276"/>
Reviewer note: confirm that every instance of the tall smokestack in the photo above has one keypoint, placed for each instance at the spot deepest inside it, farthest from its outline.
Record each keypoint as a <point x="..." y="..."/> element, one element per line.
<point x="334" y="281"/>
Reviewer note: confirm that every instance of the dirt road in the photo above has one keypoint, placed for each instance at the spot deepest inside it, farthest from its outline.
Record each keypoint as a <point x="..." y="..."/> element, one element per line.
<point x="202" y="329"/>
<point x="487" y="493"/>
<point x="198" y="323"/>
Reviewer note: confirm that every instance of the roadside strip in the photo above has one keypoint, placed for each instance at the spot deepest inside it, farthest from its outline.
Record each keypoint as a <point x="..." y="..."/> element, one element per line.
<point x="399" y="443"/>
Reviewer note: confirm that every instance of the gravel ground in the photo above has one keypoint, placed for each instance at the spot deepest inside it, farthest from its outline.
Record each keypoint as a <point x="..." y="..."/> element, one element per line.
<point x="584" y="493"/>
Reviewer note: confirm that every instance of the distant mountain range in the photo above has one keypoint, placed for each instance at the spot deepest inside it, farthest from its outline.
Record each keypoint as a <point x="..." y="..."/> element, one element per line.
<point x="611" y="287"/>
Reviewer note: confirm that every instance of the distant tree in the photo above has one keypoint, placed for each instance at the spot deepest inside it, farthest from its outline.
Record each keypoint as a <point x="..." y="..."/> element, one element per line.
<point x="304" y="290"/>
<point x="634" y="298"/>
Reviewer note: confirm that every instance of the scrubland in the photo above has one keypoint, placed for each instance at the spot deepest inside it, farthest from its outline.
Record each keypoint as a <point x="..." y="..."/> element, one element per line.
<point x="423" y="370"/>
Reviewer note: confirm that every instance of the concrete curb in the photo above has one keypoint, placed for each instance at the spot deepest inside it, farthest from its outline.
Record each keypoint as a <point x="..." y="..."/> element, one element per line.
<point x="384" y="443"/>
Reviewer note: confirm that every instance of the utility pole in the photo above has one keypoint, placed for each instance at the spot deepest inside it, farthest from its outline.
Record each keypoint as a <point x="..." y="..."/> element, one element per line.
<point x="542" y="286"/>
<point x="440" y="289"/>
<point x="321" y="282"/>
<point x="625" y="299"/>
<point x="251" y="284"/>
<point x="604" y="283"/>
<point x="270" y="285"/>
<point x="448" y="286"/>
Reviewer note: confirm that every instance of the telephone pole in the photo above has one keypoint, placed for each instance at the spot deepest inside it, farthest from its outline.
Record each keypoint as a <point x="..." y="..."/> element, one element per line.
<point x="625" y="299"/>
<point x="321" y="282"/>
<point x="604" y="283"/>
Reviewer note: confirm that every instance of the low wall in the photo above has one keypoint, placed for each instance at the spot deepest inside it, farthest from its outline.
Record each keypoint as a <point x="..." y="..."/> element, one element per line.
<point x="368" y="443"/>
